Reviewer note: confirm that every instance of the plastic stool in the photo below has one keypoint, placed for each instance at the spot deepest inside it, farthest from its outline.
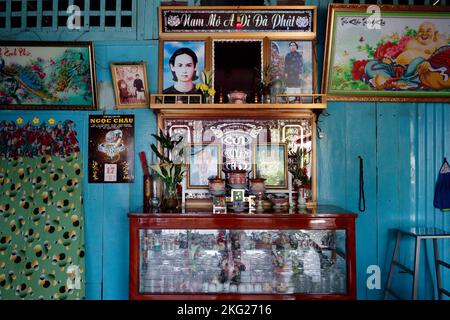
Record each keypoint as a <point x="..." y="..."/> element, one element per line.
<point x="418" y="234"/>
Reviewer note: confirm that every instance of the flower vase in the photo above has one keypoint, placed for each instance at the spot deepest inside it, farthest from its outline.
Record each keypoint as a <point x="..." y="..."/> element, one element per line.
<point x="170" y="200"/>
<point x="206" y="98"/>
<point x="301" y="201"/>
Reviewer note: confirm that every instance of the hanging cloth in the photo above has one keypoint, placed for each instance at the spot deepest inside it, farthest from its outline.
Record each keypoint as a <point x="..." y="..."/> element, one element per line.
<point x="41" y="213"/>
<point x="442" y="189"/>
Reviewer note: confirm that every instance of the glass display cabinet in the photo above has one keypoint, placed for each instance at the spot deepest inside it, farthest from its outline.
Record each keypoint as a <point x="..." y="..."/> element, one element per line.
<point x="306" y="254"/>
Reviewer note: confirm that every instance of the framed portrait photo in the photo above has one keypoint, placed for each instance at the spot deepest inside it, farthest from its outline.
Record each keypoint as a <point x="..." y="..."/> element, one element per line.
<point x="181" y="64"/>
<point x="130" y="84"/>
<point x="293" y="63"/>
<point x="270" y="163"/>
<point x="204" y="162"/>
<point x="47" y="75"/>
<point x="401" y="53"/>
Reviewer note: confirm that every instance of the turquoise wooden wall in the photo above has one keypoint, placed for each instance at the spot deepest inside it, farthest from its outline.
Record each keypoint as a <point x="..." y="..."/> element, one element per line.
<point x="402" y="145"/>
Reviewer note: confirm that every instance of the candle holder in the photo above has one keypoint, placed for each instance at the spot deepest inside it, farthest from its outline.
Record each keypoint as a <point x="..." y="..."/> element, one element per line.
<point x="257" y="187"/>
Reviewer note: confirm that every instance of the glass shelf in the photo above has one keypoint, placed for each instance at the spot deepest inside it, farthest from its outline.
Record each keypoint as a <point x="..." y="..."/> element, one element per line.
<point x="242" y="261"/>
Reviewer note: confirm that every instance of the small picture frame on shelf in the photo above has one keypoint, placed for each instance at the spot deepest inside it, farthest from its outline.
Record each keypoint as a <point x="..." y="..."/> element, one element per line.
<point x="181" y="64"/>
<point x="237" y="195"/>
<point x="130" y="84"/>
<point x="270" y="163"/>
<point x="292" y="62"/>
<point x="219" y="204"/>
<point x="204" y="162"/>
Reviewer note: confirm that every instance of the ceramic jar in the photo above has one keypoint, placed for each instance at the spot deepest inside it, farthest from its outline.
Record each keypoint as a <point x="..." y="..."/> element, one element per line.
<point x="217" y="186"/>
<point x="237" y="97"/>
<point x="257" y="186"/>
<point x="237" y="179"/>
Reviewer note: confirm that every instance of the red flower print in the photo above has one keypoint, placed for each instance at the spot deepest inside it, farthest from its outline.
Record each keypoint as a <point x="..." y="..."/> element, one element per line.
<point x="381" y="51"/>
<point x="358" y="69"/>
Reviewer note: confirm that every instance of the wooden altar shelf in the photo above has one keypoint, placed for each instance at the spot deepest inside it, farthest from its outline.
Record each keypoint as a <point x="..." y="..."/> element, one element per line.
<point x="282" y="101"/>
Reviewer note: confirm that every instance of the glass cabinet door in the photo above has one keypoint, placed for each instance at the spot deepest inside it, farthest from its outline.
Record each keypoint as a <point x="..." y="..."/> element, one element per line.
<point x="242" y="261"/>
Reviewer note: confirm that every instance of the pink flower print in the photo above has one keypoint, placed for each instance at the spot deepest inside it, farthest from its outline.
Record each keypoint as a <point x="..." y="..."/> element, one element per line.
<point x="42" y="75"/>
<point x="36" y="68"/>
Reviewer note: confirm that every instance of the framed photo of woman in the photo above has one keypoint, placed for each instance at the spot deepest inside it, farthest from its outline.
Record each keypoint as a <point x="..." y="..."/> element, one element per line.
<point x="181" y="64"/>
<point x="270" y="163"/>
<point x="204" y="162"/>
<point x="130" y="84"/>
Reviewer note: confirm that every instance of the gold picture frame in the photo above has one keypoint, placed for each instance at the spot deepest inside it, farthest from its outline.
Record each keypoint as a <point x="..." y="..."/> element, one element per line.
<point x="170" y="46"/>
<point x="131" y="87"/>
<point x="48" y="75"/>
<point x="366" y="65"/>
<point x="207" y="168"/>
<point x="265" y="168"/>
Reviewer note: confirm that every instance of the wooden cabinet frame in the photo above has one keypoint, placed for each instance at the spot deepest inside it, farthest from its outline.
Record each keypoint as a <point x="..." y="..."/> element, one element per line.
<point x="320" y="218"/>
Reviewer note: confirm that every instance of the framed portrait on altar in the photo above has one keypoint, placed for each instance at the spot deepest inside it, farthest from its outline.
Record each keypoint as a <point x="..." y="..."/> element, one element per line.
<point x="270" y="163"/>
<point x="181" y="65"/>
<point x="387" y="53"/>
<point x="293" y="63"/>
<point x="204" y="162"/>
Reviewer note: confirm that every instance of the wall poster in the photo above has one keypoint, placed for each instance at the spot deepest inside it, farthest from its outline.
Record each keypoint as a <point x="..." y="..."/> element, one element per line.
<point x="111" y="148"/>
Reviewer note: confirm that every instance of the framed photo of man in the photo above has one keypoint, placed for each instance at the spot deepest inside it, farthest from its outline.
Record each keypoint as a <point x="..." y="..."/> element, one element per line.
<point x="204" y="162"/>
<point x="294" y="65"/>
<point x="130" y="84"/>
<point x="181" y="64"/>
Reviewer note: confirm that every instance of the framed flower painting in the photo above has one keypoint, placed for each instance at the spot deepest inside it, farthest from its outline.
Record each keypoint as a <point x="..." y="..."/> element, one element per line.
<point x="387" y="53"/>
<point x="47" y="75"/>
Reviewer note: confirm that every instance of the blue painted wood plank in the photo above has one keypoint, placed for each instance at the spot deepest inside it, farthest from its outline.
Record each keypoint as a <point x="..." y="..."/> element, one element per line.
<point x="143" y="129"/>
<point x="386" y="184"/>
<point x="362" y="121"/>
<point x="24" y="15"/>
<point x="8" y="15"/>
<point x="102" y="15"/>
<point x="118" y="15"/>
<point x="39" y="16"/>
<point x="55" y="15"/>
<point x="116" y="248"/>
<point x="94" y="217"/>
<point x="331" y="156"/>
